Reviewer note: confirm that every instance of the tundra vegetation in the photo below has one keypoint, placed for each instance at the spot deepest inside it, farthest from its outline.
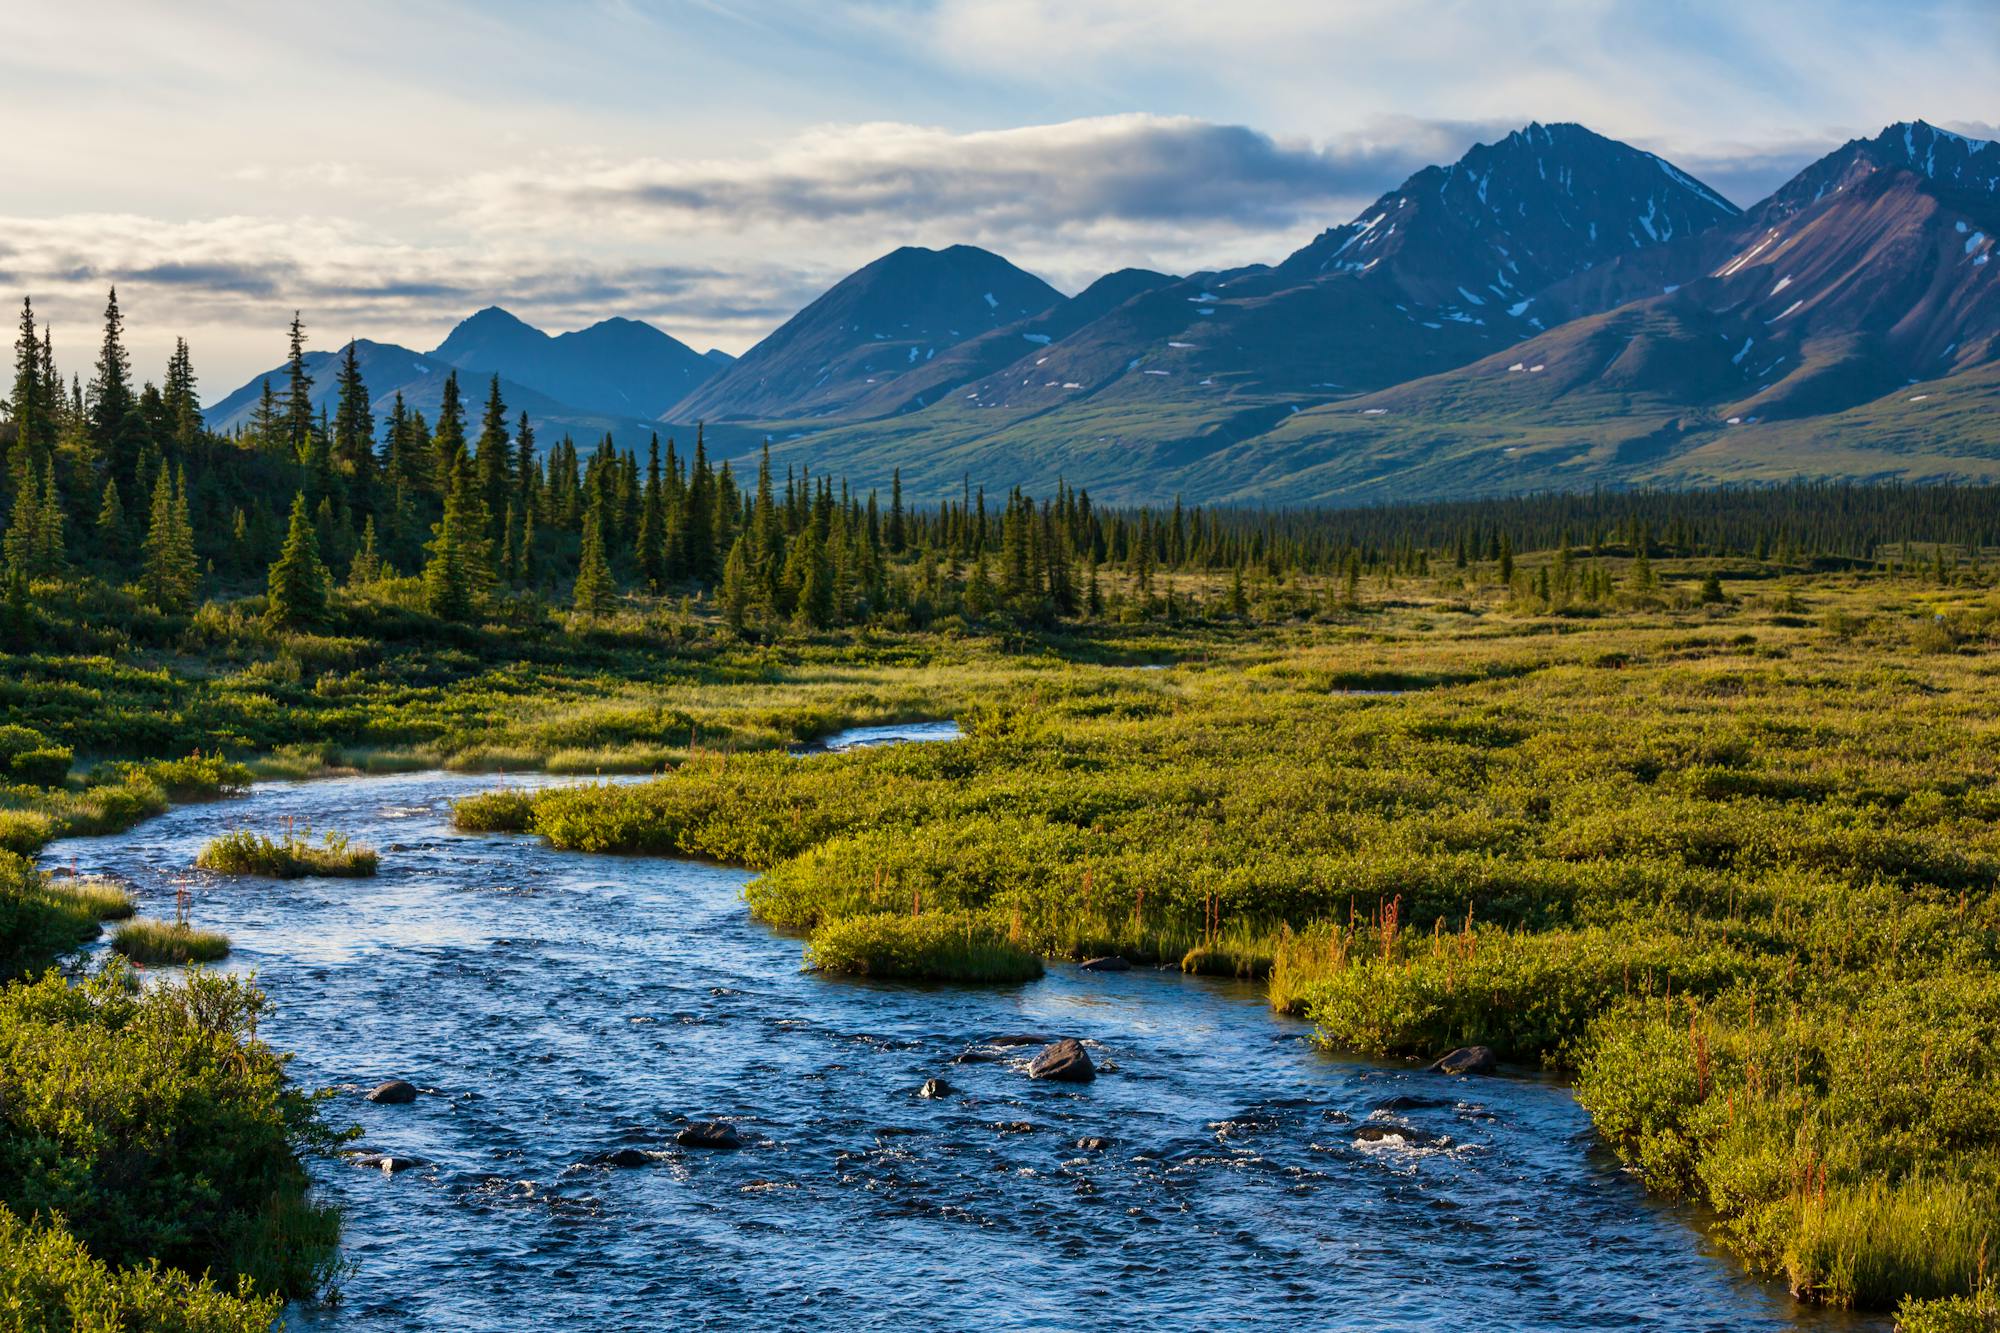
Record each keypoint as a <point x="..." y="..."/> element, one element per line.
<point x="1729" y="863"/>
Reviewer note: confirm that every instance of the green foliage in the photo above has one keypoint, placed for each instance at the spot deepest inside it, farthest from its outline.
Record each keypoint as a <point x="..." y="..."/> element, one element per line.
<point x="298" y="583"/>
<point x="49" y="1281"/>
<point x="294" y="856"/>
<point x="936" y="946"/>
<point x="154" y="1122"/>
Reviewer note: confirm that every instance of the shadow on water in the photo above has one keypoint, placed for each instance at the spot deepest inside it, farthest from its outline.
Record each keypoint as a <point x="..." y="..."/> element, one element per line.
<point x="558" y="1007"/>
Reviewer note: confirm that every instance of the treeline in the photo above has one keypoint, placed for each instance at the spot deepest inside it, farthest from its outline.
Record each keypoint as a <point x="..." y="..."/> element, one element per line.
<point x="469" y="516"/>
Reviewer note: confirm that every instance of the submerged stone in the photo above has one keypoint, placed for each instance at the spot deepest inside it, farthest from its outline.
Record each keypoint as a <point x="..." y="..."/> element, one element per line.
<point x="393" y="1093"/>
<point x="708" y="1134"/>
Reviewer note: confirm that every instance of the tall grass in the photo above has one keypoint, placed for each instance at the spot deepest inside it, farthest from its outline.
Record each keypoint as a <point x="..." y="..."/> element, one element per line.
<point x="293" y="856"/>
<point x="169" y="942"/>
<point x="938" y="946"/>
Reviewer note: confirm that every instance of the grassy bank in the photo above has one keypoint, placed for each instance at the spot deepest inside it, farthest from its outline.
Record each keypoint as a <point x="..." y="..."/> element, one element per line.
<point x="940" y="946"/>
<point x="1731" y="863"/>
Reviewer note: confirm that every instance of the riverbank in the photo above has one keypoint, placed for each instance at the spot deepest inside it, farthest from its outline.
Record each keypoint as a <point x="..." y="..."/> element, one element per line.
<point x="555" y="1009"/>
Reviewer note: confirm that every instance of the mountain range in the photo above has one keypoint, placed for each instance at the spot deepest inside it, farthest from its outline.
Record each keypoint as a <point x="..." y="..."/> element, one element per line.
<point x="1555" y="309"/>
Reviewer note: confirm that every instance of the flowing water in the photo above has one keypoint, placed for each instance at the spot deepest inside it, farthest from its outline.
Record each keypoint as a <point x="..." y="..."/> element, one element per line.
<point x="555" y="1007"/>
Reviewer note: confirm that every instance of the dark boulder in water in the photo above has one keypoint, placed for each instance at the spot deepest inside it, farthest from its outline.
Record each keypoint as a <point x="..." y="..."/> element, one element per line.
<point x="1410" y="1102"/>
<point x="1094" y="1143"/>
<point x="387" y="1163"/>
<point x="1467" y="1060"/>
<point x="1403" y="1134"/>
<point x="1111" y="964"/>
<point x="935" y="1087"/>
<point x="624" y="1157"/>
<point x="708" y="1134"/>
<point x="1018" y="1039"/>
<point x="1064" y="1062"/>
<point x="393" y="1093"/>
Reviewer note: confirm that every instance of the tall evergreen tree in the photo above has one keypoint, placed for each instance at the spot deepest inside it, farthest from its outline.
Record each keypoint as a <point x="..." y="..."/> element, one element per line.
<point x="593" y="592"/>
<point x="652" y="539"/>
<point x="298" y="583"/>
<point x="456" y="576"/>
<point x="496" y="476"/>
<point x="354" y="434"/>
<point x="116" y="429"/>
<point x="298" y="390"/>
<point x="170" y="576"/>
<point x="448" y="439"/>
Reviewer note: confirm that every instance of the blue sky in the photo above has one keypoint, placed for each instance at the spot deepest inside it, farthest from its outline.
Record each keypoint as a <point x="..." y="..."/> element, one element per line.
<point x="708" y="165"/>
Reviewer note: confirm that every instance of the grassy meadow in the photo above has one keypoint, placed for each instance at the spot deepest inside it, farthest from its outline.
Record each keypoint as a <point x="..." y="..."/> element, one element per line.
<point x="1729" y="863"/>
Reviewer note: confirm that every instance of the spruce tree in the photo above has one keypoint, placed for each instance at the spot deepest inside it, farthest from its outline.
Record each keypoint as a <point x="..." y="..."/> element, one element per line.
<point x="448" y="440"/>
<point x="116" y="429"/>
<point x="169" y="575"/>
<point x="592" y="595"/>
<point x="354" y="434"/>
<point x="739" y="590"/>
<point x="496" y="474"/>
<point x="298" y="391"/>
<point x="111" y="516"/>
<point x="28" y="404"/>
<point x="455" y="576"/>
<point x="652" y="540"/>
<point x="298" y="580"/>
<point x="366" y="567"/>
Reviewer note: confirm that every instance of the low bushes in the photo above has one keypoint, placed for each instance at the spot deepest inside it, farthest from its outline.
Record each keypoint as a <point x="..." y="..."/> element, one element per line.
<point x="935" y="946"/>
<point x="49" y="1281"/>
<point x="159" y="1127"/>
<point x="291" y="857"/>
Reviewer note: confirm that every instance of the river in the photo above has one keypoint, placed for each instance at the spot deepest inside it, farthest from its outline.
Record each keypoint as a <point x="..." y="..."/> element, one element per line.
<point x="557" y="1006"/>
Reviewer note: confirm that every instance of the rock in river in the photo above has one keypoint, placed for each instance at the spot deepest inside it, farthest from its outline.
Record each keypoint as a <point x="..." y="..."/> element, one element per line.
<point x="708" y="1134"/>
<point x="1064" y="1062"/>
<point x="935" y="1087"/>
<point x="622" y="1157"/>
<point x="1467" y="1060"/>
<point x="394" y="1093"/>
<point x="1112" y="964"/>
<point x="1406" y="1135"/>
<point x="387" y="1163"/>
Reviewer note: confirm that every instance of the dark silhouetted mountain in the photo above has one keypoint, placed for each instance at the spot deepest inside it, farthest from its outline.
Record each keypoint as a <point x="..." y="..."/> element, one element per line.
<point x="388" y="369"/>
<point x="881" y="322"/>
<point x="617" y="367"/>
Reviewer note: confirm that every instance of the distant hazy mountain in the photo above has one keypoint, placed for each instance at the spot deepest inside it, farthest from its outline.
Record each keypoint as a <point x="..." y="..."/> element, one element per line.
<point x="388" y="369"/>
<point x="618" y="367"/>
<point x="884" y="321"/>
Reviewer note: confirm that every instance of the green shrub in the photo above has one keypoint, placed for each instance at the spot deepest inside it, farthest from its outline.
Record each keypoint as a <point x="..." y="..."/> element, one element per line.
<point x="292" y="857"/>
<point x="509" y="810"/>
<point x="937" y="946"/>
<point x="153" y="1120"/>
<point x="47" y="766"/>
<point x="169" y="942"/>
<point x="48" y="1281"/>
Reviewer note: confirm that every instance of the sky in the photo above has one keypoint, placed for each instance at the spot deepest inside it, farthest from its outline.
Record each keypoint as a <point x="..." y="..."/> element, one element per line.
<point x="710" y="166"/>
